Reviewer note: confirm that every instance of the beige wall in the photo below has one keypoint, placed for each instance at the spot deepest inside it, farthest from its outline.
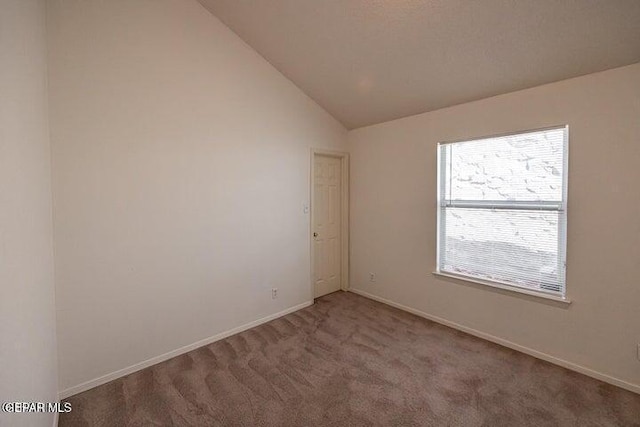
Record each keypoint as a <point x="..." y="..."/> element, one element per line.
<point x="180" y="168"/>
<point x="27" y="317"/>
<point x="393" y="220"/>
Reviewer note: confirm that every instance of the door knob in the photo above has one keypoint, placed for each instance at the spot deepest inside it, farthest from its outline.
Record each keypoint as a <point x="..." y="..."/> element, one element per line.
<point x="315" y="234"/>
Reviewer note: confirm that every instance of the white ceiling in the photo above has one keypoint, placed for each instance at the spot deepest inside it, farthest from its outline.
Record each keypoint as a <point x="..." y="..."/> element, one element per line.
<point x="369" y="61"/>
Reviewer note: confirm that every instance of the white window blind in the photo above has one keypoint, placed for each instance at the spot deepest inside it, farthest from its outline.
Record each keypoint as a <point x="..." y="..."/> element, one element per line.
<point x="502" y="209"/>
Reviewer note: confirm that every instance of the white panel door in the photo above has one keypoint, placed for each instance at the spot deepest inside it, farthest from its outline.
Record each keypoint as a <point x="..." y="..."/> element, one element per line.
<point x="327" y="224"/>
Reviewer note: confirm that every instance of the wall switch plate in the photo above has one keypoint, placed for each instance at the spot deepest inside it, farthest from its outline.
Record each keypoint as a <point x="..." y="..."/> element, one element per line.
<point x="638" y="351"/>
<point x="274" y="293"/>
<point x="305" y="208"/>
<point x="372" y="277"/>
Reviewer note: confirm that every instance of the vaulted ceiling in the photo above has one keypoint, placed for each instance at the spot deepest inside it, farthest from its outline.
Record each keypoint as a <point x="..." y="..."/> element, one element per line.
<point x="369" y="61"/>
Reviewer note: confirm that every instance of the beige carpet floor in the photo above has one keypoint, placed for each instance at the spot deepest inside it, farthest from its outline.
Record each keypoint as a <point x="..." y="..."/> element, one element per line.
<point x="350" y="361"/>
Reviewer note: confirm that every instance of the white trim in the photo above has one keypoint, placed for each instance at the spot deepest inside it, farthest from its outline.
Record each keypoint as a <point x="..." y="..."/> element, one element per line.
<point x="501" y="135"/>
<point x="173" y="353"/>
<point x="504" y="204"/>
<point x="344" y="217"/>
<point x="56" y="415"/>
<point x="505" y="286"/>
<point x="563" y="221"/>
<point x="443" y="149"/>
<point x="635" y="388"/>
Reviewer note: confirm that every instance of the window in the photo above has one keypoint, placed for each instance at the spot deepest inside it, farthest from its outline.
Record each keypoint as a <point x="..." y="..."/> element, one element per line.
<point x="502" y="210"/>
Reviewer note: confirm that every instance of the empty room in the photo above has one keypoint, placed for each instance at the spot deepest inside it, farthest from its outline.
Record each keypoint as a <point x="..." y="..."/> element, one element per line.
<point x="319" y="213"/>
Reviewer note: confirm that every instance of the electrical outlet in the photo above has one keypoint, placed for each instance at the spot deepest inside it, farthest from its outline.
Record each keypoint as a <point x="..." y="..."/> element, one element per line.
<point x="372" y="277"/>
<point x="639" y="351"/>
<point x="274" y="293"/>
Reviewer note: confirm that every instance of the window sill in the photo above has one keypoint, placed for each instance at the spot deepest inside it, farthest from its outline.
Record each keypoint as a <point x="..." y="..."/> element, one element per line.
<point x="542" y="295"/>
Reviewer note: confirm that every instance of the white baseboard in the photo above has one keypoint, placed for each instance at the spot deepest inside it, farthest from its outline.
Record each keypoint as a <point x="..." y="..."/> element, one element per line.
<point x="177" y="352"/>
<point x="535" y="353"/>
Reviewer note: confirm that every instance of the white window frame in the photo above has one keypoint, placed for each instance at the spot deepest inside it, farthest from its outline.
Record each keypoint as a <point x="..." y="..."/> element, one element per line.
<point x="512" y="205"/>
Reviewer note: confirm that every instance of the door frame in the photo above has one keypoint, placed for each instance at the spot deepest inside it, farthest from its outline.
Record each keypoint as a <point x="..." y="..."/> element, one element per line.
<point x="344" y="216"/>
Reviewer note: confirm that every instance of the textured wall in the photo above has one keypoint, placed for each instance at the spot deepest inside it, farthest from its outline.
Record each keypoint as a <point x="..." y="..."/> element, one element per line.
<point x="181" y="165"/>
<point x="28" y="370"/>
<point x="393" y="220"/>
